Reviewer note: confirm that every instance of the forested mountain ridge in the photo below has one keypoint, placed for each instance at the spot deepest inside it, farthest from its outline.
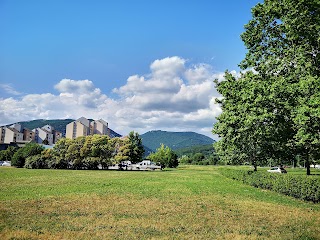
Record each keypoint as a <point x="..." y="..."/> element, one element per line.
<point x="174" y="140"/>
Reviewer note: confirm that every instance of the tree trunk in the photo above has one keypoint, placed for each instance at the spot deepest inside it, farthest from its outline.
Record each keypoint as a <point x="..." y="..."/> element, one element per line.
<point x="308" y="165"/>
<point x="254" y="163"/>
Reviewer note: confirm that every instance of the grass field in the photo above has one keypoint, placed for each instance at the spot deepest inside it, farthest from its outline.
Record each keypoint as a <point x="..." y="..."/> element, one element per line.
<point x="185" y="203"/>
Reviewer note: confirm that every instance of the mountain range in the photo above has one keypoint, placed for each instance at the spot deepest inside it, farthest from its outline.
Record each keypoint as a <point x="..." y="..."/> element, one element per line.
<point x="151" y="140"/>
<point x="174" y="140"/>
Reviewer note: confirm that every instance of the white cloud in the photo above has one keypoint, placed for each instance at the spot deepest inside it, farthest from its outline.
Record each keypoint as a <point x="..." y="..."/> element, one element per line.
<point x="199" y="73"/>
<point x="167" y="67"/>
<point x="9" y="89"/>
<point x="68" y="85"/>
<point x="172" y="96"/>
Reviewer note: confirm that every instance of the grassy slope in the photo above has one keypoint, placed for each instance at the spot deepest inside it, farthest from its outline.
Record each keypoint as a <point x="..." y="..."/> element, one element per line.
<point x="190" y="202"/>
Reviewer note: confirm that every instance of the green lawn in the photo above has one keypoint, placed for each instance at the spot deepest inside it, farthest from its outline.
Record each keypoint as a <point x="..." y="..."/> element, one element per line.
<point x="191" y="202"/>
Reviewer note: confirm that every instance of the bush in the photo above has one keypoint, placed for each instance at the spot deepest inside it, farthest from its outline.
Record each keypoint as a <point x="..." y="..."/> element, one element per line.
<point x="298" y="186"/>
<point x="36" y="162"/>
<point x="18" y="159"/>
<point x="20" y="156"/>
<point x="6" y="155"/>
<point x="91" y="163"/>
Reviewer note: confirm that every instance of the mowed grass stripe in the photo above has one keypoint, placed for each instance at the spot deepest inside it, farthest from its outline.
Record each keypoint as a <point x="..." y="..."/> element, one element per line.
<point x="187" y="203"/>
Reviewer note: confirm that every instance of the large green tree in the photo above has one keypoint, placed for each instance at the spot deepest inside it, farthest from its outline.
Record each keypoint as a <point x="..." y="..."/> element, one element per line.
<point x="136" y="149"/>
<point x="165" y="156"/>
<point x="96" y="150"/>
<point x="73" y="154"/>
<point x="29" y="150"/>
<point x="306" y="117"/>
<point x="6" y="155"/>
<point x="59" y="154"/>
<point x="271" y="112"/>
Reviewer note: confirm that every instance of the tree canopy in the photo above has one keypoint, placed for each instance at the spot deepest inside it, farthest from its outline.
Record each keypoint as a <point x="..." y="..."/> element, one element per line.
<point x="29" y="150"/>
<point x="271" y="112"/>
<point x="165" y="156"/>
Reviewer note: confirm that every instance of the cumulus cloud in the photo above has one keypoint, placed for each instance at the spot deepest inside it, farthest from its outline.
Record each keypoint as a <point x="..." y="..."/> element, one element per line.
<point x="175" y="95"/>
<point x="167" y="67"/>
<point x="68" y="85"/>
<point x="81" y="93"/>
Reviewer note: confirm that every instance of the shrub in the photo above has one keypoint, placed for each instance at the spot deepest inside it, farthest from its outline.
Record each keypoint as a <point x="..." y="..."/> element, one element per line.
<point x="6" y="155"/>
<point x="298" y="186"/>
<point x="20" y="156"/>
<point x="36" y="162"/>
<point x="18" y="159"/>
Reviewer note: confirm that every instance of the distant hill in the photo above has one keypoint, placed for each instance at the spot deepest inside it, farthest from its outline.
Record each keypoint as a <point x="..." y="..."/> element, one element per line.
<point x="174" y="140"/>
<point x="189" y="151"/>
<point x="58" y="124"/>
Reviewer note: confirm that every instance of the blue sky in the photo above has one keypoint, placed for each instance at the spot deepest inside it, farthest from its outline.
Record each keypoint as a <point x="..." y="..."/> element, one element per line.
<point x="53" y="49"/>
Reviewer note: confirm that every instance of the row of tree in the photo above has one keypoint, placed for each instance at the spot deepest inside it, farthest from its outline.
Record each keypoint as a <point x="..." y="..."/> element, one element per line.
<point x="200" y="159"/>
<point x="90" y="152"/>
<point x="81" y="153"/>
<point x="272" y="111"/>
<point x="198" y="155"/>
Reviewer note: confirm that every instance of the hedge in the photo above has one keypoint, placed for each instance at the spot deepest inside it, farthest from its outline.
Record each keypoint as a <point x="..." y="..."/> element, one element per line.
<point x="299" y="186"/>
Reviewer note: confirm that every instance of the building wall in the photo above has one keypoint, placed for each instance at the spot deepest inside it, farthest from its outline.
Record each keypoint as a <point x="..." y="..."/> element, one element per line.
<point x="83" y="127"/>
<point x="48" y="128"/>
<point x="16" y="126"/>
<point x="2" y="134"/>
<point x="82" y="130"/>
<point x="76" y="129"/>
<point x="12" y="135"/>
<point x="99" y="127"/>
<point x="9" y="136"/>
<point x="28" y="135"/>
<point x="84" y="121"/>
<point x="56" y="136"/>
<point x="69" y="130"/>
<point x="41" y="135"/>
<point x="19" y="137"/>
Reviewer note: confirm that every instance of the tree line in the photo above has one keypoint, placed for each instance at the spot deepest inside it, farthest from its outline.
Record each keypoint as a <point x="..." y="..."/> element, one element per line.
<point x="271" y="113"/>
<point x="89" y="152"/>
<point x="198" y="155"/>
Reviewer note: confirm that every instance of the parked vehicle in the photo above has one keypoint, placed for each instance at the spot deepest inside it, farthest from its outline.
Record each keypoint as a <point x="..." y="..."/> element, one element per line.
<point x="125" y="165"/>
<point x="145" y="165"/>
<point x="277" y="170"/>
<point x="315" y="166"/>
<point x="6" y="164"/>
